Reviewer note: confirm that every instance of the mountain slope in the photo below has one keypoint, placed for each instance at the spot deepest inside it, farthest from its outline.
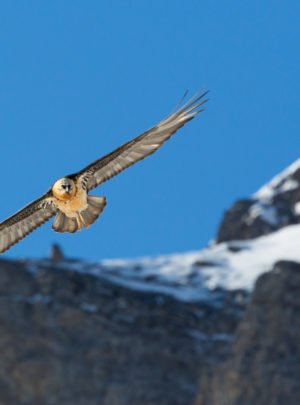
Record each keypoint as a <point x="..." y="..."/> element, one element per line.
<point x="194" y="276"/>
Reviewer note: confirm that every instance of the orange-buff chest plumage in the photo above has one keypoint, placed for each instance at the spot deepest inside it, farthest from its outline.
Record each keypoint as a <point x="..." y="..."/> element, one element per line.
<point x="71" y="204"/>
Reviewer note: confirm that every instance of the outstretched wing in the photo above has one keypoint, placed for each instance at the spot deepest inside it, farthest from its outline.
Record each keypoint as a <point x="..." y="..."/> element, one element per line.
<point x="25" y="221"/>
<point x="140" y="147"/>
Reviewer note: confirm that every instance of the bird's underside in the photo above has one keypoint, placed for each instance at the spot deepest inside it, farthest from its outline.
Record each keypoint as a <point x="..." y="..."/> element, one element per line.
<point x="74" y="220"/>
<point x="68" y="198"/>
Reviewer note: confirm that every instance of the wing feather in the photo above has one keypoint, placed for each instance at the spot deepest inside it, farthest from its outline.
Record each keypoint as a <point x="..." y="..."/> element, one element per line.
<point x="140" y="147"/>
<point x="19" y="225"/>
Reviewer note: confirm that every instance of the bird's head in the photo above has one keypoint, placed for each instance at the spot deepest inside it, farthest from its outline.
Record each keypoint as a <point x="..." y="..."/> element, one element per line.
<point x="64" y="188"/>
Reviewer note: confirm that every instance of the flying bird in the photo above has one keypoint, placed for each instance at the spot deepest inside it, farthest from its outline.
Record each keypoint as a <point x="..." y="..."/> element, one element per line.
<point x="69" y="197"/>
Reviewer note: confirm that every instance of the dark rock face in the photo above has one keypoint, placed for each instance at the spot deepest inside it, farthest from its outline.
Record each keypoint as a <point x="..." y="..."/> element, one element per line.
<point x="265" y="364"/>
<point x="250" y="218"/>
<point x="235" y="226"/>
<point x="71" y="338"/>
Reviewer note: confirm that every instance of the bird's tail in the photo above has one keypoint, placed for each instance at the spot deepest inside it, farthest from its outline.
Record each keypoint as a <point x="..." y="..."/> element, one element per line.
<point x="95" y="206"/>
<point x="84" y="218"/>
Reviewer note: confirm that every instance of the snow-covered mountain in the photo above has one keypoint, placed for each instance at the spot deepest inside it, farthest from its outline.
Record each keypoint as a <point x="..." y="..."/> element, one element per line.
<point x="273" y="206"/>
<point x="272" y="215"/>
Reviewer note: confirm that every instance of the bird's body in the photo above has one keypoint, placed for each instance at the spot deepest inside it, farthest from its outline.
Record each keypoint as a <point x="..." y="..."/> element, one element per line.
<point x="69" y="197"/>
<point x="69" y="202"/>
<point x="76" y="209"/>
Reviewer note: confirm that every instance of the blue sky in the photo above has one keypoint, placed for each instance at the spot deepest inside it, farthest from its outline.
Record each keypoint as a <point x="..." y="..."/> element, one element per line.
<point x="78" y="78"/>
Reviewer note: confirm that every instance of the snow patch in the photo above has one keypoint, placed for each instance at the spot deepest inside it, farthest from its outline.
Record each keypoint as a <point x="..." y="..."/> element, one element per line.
<point x="266" y="212"/>
<point x="89" y="307"/>
<point x="193" y="276"/>
<point x="220" y="337"/>
<point x="297" y="208"/>
<point x="33" y="299"/>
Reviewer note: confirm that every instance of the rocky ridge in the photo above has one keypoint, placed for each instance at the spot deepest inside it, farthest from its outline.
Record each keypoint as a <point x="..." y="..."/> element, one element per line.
<point x="272" y="207"/>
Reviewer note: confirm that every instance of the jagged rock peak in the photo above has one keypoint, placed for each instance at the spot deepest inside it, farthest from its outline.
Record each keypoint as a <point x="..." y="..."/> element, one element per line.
<point x="285" y="181"/>
<point x="274" y="206"/>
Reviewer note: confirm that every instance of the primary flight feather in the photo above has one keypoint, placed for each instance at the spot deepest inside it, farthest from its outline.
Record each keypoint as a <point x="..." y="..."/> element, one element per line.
<point x="68" y="198"/>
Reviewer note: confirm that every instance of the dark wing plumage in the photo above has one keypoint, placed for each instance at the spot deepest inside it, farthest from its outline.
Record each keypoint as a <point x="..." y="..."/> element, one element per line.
<point x="141" y="146"/>
<point x="25" y="221"/>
